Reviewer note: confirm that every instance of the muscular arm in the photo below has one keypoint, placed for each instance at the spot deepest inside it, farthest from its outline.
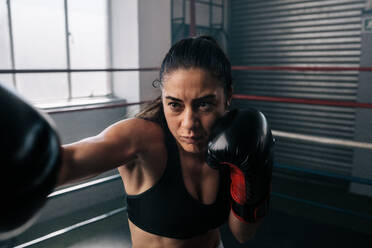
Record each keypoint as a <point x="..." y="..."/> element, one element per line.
<point x="113" y="147"/>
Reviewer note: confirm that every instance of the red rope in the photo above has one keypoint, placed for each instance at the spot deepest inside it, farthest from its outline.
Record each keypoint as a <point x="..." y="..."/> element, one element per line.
<point x="304" y="101"/>
<point x="235" y="68"/>
<point x="299" y="68"/>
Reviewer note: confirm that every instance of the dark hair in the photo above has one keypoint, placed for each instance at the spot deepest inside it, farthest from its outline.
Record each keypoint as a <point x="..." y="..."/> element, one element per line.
<point x="198" y="52"/>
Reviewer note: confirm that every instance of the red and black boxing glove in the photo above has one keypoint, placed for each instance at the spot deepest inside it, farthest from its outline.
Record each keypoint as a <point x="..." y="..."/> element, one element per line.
<point x="243" y="141"/>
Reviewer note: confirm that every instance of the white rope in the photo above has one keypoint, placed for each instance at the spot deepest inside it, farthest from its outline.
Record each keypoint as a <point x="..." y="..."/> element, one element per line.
<point x="322" y="140"/>
<point x="83" y="185"/>
<point x="72" y="227"/>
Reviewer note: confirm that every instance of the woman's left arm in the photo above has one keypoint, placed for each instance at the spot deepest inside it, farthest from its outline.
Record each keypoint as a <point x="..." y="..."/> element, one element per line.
<point x="242" y="231"/>
<point x="242" y="140"/>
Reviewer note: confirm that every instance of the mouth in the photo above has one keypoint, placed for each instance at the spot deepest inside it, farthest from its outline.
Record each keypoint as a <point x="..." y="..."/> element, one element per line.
<point x="191" y="139"/>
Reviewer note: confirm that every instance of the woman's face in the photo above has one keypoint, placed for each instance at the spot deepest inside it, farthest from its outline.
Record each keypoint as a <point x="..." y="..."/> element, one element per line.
<point x="193" y="100"/>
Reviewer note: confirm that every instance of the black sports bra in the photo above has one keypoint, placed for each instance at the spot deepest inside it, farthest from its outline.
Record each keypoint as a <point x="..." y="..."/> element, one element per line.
<point x="167" y="209"/>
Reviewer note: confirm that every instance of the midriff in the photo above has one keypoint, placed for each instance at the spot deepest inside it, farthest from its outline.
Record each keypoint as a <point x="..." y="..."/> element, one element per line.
<point x="143" y="239"/>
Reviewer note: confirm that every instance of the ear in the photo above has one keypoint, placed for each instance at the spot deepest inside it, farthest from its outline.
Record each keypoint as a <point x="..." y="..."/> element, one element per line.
<point x="229" y="94"/>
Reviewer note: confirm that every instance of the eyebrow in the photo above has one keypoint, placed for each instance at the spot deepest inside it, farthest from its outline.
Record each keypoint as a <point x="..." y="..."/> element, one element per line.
<point x="206" y="97"/>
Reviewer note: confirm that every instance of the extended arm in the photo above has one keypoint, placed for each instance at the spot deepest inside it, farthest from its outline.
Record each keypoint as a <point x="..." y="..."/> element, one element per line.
<point x="33" y="161"/>
<point x="115" y="146"/>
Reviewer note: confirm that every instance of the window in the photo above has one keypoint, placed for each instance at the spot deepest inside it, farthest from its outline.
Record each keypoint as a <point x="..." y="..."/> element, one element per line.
<point x="55" y="34"/>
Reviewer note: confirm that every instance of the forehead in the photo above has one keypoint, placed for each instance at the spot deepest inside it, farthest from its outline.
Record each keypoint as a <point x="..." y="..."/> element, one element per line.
<point x="190" y="83"/>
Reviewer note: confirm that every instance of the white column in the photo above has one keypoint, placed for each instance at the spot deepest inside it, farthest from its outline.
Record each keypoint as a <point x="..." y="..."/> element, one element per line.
<point x="154" y="41"/>
<point x="124" y="42"/>
<point x="141" y="36"/>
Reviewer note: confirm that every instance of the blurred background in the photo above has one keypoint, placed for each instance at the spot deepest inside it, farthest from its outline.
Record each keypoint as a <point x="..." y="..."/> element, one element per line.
<point x="306" y="64"/>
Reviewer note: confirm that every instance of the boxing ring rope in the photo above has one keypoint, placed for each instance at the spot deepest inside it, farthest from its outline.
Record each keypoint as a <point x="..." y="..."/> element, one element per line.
<point x="92" y="107"/>
<point x="83" y="186"/>
<point x="72" y="227"/>
<point x="349" y="104"/>
<point x="234" y="68"/>
<point x="322" y="140"/>
<point x="352" y="179"/>
<point x="123" y="209"/>
<point x="277" y="133"/>
<point x="299" y="68"/>
<point x="326" y="206"/>
<point x="10" y="71"/>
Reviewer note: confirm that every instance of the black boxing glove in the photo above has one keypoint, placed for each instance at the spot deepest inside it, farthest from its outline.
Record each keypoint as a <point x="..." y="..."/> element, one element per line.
<point x="29" y="159"/>
<point x="243" y="141"/>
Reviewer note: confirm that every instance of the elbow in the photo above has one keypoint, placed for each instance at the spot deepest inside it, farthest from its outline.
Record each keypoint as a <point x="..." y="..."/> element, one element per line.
<point x="64" y="170"/>
<point x="62" y="176"/>
<point x="244" y="238"/>
<point x="243" y="232"/>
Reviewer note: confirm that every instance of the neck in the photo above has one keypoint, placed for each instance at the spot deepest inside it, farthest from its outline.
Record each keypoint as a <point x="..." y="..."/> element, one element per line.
<point x="196" y="158"/>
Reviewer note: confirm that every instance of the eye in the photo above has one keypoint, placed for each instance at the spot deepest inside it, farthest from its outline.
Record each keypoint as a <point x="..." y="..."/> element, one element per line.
<point x="174" y="106"/>
<point x="205" y="106"/>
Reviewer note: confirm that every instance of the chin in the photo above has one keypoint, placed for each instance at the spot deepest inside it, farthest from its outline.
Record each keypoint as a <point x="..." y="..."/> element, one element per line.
<point x="193" y="148"/>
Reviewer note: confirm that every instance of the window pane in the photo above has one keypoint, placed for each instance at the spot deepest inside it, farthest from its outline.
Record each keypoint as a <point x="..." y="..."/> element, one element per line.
<point x="202" y="13"/>
<point x="39" y="43"/>
<point x="6" y="80"/>
<point x="40" y="87"/>
<point x="88" y="46"/>
<point x="5" y="60"/>
<point x="39" y="34"/>
<point x="88" y="84"/>
<point x="88" y="29"/>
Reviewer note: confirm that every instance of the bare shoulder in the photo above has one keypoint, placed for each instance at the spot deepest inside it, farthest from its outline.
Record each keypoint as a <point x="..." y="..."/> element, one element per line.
<point x="138" y="132"/>
<point x="140" y="127"/>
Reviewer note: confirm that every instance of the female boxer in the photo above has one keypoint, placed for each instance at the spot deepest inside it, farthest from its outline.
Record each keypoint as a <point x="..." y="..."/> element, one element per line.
<point x="187" y="163"/>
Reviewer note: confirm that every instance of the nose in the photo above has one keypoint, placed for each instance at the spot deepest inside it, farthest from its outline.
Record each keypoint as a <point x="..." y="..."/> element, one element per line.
<point x="190" y="120"/>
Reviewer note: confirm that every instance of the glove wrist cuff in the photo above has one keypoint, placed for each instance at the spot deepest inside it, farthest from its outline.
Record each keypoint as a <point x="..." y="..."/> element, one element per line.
<point x="251" y="214"/>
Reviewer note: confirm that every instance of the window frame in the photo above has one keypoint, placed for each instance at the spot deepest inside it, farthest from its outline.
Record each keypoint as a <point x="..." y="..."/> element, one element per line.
<point x="68" y="70"/>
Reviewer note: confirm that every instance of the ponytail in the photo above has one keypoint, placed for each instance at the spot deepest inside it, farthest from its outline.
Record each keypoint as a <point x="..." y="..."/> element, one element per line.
<point x="153" y="112"/>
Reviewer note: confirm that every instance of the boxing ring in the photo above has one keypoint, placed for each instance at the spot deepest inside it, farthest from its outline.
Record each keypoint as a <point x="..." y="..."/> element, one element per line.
<point x="276" y="133"/>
